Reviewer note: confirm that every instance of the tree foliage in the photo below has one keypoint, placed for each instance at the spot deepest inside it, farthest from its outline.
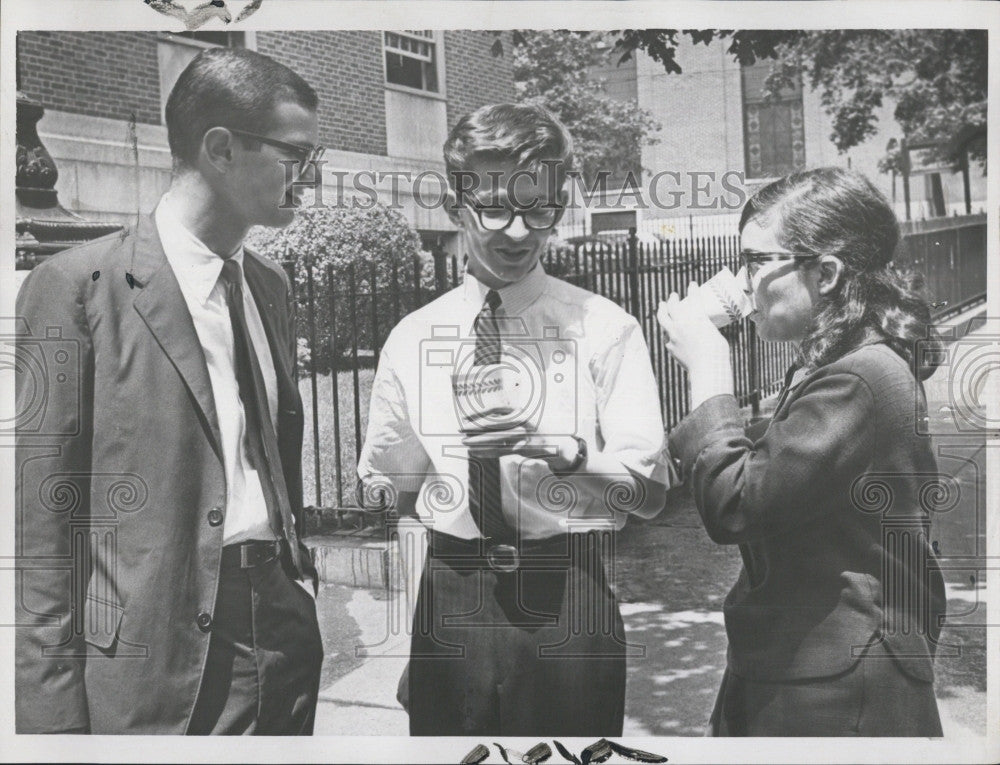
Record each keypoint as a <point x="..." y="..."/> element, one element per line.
<point x="936" y="79"/>
<point x="376" y="245"/>
<point x="551" y="68"/>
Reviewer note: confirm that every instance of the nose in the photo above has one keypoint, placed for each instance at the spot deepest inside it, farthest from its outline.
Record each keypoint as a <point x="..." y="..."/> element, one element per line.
<point x="517" y="230"/>
<point x="743" y="279"/>
<point x="305" y="172"/>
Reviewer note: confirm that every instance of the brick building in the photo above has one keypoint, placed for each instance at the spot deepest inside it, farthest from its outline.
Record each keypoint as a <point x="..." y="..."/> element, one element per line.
<point x="387" y="100"/>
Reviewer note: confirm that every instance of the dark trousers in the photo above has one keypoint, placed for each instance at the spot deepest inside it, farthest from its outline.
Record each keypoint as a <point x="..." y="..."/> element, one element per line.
<point x="262" y="672"/>
<point x="535" y="652"/>
<point x="872" y="698"/>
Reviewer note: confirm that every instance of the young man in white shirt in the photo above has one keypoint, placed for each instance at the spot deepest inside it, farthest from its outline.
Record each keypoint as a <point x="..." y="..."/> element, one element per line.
<point x="517" y="417"/>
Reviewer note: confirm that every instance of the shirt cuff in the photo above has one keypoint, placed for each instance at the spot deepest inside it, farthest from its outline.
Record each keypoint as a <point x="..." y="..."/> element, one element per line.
<point x="692" y="434"/>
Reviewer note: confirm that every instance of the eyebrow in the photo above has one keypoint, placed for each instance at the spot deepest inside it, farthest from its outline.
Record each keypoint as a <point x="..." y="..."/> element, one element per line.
<point x="503" y="200"/>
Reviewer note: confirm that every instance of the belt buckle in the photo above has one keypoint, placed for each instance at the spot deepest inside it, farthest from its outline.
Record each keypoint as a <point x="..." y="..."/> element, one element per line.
<point x="503" y="558"/>
<point x="252" y="555"/>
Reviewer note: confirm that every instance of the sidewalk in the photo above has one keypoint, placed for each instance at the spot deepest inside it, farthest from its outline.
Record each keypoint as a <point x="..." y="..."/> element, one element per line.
<point x="671" y="581"/>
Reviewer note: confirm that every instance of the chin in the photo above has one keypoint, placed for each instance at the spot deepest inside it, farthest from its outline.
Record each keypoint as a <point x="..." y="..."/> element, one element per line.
<point x="279" y="218"/>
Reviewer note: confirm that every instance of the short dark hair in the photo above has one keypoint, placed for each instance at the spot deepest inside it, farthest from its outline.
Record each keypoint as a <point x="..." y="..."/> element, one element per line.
<point x="525" y="134"/>
<point x="832" y="211"/>
<point x="229" y="87"/>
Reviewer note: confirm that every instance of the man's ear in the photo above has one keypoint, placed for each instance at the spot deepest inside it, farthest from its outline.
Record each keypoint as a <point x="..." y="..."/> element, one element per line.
<point x="217" y="148"/>
<point x="452" y="208"/>
<point x="831" y="269"/>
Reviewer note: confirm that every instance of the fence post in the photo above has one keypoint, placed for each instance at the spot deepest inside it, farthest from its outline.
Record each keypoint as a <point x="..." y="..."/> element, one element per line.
<point x="633" y="275"/>
<point x="440" y="267"/>
<point x="313" y="358"/>
<point x="335" y="392"/>
<point x="289" y="266"/>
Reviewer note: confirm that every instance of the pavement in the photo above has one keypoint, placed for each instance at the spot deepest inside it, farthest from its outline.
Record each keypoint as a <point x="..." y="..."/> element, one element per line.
<point x="670" y="580"/>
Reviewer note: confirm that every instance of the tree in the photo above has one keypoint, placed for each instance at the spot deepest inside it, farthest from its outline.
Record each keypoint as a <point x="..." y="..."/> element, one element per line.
<point x="936" y="78"/>
<point x="551" y="68"/>
<point x="374" y="243"/>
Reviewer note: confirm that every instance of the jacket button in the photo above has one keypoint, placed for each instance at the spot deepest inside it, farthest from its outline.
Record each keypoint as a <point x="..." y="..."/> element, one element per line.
<point x="204" y="621"/>
<point x="215" y="516"/>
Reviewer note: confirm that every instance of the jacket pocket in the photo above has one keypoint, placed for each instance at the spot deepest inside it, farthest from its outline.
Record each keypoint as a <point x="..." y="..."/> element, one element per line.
<point x="101" y="622"/>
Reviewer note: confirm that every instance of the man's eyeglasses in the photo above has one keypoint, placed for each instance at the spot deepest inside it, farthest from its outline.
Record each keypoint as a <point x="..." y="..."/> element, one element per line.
<point x="305" y="155"/>
<point x="753" y="260"/>
<point x="498" y="218"/>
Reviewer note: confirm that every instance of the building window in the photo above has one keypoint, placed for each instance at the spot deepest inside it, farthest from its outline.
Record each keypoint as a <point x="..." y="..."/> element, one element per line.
<point x="176" y="49"/>
<point x="411" y="59"/>
<point x="774" y="135"/>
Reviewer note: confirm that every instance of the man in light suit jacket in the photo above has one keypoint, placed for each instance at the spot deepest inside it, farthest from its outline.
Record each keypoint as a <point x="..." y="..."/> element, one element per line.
<point x="164" y="587"/>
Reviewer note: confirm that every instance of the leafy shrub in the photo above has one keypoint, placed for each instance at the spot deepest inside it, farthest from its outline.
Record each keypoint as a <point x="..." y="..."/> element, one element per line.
<point x="350" y="250"/>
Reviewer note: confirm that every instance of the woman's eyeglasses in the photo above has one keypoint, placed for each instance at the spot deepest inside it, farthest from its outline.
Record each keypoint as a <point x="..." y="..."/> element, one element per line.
<point x="752" y="260"/>
<point x="497" y="217"/>
<point x="305" y="155"/>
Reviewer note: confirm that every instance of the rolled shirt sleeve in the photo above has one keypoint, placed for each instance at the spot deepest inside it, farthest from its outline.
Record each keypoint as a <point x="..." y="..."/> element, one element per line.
<point x="626" y="469"/>
<point x="392" y="452"/>
<point x="628" y="406"/>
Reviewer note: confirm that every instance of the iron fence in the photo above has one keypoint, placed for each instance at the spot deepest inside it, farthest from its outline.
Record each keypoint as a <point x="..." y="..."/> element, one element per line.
<point x="349" y="315"/>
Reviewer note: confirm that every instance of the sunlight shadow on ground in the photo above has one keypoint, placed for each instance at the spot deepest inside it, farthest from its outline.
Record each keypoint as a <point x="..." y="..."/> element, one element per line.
<point x="671" y="689"/>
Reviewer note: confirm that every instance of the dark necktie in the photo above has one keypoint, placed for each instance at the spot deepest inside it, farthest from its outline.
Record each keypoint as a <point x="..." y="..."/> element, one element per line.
<point x="484" y="472"/>
<point x="262" y="441"/>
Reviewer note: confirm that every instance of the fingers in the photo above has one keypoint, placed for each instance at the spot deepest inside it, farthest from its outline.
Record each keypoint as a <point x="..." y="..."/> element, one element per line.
<point x="665" y="316"/>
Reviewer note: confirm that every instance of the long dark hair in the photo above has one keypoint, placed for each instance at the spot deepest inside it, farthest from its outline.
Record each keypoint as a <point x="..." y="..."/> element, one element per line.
<point x="831" y="211"/>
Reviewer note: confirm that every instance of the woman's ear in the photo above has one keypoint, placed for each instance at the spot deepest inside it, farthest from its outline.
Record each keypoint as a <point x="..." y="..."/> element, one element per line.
<point x="830" y="270"/>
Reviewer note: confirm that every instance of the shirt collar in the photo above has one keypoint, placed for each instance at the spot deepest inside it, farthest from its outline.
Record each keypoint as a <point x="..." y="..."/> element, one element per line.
<point x="515" y="297"/>
<point x="196" y="267"/>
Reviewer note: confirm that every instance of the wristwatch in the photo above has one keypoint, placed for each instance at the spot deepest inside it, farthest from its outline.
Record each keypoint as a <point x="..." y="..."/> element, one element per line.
<point x="577" y="463"/>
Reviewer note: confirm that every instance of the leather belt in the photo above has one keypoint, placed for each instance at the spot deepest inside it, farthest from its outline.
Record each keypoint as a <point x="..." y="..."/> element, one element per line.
<point x="552" y="552"/>
<point x="250" y="554"/>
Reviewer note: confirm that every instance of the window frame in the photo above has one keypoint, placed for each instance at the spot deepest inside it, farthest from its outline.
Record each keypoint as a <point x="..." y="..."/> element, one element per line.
<point x="171" y="38"/>
<point x="249" y="39"/>
<point x="795" y="103"/>
<point x="439" y="64"/>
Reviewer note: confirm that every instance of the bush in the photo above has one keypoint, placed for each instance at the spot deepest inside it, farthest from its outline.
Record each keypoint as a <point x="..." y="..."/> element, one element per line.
<point x="380" y="247"/>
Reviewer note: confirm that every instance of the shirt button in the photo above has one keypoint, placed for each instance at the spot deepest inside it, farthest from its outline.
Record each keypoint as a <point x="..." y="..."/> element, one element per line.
<point x="215" y="516"/>
<point x="204" y="621"/>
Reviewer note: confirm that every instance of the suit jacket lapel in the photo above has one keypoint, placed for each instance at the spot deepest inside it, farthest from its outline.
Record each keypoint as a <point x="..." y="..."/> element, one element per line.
<point x="161" y="305"/>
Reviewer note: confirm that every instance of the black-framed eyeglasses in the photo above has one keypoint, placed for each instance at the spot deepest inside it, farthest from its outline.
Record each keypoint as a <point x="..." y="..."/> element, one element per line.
<point x="752" y="260"/>
<point x="498" y="217"/>
<point x="305" y="155"/>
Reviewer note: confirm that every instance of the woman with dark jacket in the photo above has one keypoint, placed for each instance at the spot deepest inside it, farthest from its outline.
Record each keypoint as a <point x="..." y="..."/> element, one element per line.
<point x="834" y="619"/>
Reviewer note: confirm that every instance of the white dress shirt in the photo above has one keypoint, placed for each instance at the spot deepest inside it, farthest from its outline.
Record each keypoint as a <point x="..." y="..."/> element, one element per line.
<point x="198" y="272"/>
<point x="586" y="365"/>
